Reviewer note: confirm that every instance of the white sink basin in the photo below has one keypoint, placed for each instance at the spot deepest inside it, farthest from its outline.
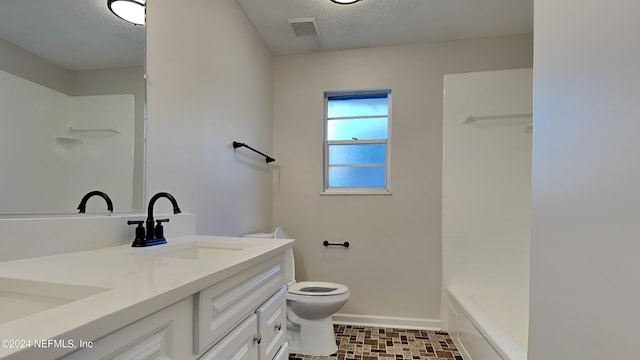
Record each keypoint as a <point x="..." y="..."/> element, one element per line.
<point x="197" y="250"/>
<point x="19" y="298"/>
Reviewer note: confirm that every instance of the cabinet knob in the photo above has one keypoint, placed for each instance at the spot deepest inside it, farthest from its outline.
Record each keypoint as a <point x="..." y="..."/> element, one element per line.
<point x="279" y="326"/>
<point x="258" y="338"/>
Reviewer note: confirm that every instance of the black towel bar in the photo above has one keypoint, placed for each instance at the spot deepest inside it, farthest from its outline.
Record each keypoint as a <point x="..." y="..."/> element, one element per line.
<point x="239" y="144"/>
<point x="326" y="243"/>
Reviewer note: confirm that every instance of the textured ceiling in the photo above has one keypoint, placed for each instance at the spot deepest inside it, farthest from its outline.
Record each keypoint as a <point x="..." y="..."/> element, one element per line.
<point x="371" y="23"/>
<point x="74" y="34"/>
<point x="84" y="35"/>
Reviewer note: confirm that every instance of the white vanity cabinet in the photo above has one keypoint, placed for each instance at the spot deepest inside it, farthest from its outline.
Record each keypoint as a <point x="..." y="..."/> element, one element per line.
<point x="240" y="344"/>
<point x="164" y="335"/>
<point x="272" y="324"/>
<point x="261" y="336"/>
<point x="243" y="316"/>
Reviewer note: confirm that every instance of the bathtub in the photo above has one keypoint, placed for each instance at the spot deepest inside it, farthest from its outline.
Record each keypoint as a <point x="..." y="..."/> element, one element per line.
<point x="486" y="328"/>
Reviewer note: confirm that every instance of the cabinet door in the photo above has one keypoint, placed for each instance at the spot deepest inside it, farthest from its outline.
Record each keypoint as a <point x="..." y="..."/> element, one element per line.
<point x="283" y="353"/>
<point x="272" y="324"/>
<point x="240" y="344"/>
<point x="165" y="335"/>
<point x="222" y="306"/>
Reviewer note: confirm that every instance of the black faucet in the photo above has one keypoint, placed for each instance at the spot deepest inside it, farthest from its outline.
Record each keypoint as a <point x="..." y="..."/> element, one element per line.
<point x="154" y="234"/>
<point x="83" y="203"/>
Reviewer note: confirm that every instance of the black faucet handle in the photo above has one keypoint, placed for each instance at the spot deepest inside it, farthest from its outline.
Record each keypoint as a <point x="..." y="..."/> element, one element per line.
<point x="139" y="240"/>
<point x="159" y="230"/>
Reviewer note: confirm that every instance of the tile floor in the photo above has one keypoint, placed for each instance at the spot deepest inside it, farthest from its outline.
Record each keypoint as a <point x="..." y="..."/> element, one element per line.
<point x="372" y="343"/>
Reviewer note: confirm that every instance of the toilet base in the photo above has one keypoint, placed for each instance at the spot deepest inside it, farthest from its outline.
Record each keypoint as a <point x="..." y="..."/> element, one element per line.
<point x="312" y="337"/>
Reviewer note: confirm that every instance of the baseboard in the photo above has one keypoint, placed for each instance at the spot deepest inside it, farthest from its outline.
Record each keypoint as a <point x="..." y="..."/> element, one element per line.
<point x="387" y="321"/>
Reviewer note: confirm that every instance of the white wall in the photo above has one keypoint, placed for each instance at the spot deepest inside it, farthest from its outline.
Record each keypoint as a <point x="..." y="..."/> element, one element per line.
<point x="34" y="163"/>
<point x="393" y="267"/>
<point x="28" y="149"/>
<point x="103" y="161"/>
<point x="586" y="204"/>
<point x="210" y="83"/>
<point x="32" y="68"/>
<point x="121" y="81"/>
<point x="486" y="194"/>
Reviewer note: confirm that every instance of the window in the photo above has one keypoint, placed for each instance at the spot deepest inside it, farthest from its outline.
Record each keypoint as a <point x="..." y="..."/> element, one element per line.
<point x="357" y="126"/>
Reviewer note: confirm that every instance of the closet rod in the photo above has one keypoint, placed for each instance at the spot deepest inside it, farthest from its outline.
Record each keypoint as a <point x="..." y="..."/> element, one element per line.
<point x="239" y="144"/>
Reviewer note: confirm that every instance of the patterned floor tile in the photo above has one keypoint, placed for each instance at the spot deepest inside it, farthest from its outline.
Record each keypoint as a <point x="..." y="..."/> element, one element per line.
<point x="373" y="343"/>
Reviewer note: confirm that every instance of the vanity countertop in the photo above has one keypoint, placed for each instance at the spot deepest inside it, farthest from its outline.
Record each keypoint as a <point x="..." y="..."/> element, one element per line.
<point x="116" y="287"/>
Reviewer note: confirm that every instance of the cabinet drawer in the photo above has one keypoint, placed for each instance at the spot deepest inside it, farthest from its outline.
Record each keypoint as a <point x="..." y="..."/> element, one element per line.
<point x="240" y="344"/>
<point x="272" y="324"/>
<point x="219" y="308"/>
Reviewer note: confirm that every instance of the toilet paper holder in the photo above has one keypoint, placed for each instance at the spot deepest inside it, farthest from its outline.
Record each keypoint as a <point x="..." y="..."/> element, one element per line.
<point x="326" y="243"/>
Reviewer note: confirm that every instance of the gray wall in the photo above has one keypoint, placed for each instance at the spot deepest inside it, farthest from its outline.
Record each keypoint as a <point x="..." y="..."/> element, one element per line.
<point x="393" y="267"/>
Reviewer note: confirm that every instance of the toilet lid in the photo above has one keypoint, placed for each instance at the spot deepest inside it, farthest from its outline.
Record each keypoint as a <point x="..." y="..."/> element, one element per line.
<point x="280" y="233"/>
<point x="317" y="288"/>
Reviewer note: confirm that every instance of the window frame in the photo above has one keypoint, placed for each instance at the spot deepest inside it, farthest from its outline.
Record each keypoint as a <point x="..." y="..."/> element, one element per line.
<point x="353" y="190"/>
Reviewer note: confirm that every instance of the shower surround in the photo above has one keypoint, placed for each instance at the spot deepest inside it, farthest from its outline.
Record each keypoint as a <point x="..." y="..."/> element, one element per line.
<point x="486" y="212"/>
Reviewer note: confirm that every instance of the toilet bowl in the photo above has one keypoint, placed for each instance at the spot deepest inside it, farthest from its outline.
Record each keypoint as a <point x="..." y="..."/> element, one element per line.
<point x="310" y="305"/>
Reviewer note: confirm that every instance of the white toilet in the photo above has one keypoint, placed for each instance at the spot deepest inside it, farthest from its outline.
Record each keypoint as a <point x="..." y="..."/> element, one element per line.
<point x="310" y="305"/>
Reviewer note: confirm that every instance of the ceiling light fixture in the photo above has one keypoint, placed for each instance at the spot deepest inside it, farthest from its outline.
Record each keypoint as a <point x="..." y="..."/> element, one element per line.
<point x="128" y="10"/>
<point x="345" y="2"/>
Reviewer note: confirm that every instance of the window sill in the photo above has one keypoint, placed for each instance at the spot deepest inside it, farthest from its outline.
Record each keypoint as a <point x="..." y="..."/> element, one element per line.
<point x="356" y="192"/>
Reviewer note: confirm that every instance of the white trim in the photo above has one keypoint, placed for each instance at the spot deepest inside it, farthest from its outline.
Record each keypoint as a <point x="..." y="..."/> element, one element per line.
<point x="326" y="189"/>
<point x="355" y="165"/>
<point x="372" y="91"/>
<point x="356" y="191"/>
<point x="357" y="142"/>
<point x="358" y="117"/>
<point x="387" y="321"/>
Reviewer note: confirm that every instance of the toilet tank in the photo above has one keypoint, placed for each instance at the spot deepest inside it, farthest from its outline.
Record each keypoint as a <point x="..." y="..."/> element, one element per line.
<point x="289" y="262"/>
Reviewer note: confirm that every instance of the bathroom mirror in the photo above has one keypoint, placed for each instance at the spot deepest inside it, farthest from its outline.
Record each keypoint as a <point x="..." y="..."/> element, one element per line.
<point x="72" y="100"/>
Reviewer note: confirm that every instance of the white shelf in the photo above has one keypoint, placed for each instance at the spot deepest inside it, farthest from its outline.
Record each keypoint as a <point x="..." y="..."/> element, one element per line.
<point x="109" y="130"/>
<point x="473" y="118"/>
<point x="68" y="140"/>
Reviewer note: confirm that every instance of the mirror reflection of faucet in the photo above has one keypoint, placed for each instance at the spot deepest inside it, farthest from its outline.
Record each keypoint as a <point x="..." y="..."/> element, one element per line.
<point x="154" y="233"/>
<point x="82" y="208"/>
